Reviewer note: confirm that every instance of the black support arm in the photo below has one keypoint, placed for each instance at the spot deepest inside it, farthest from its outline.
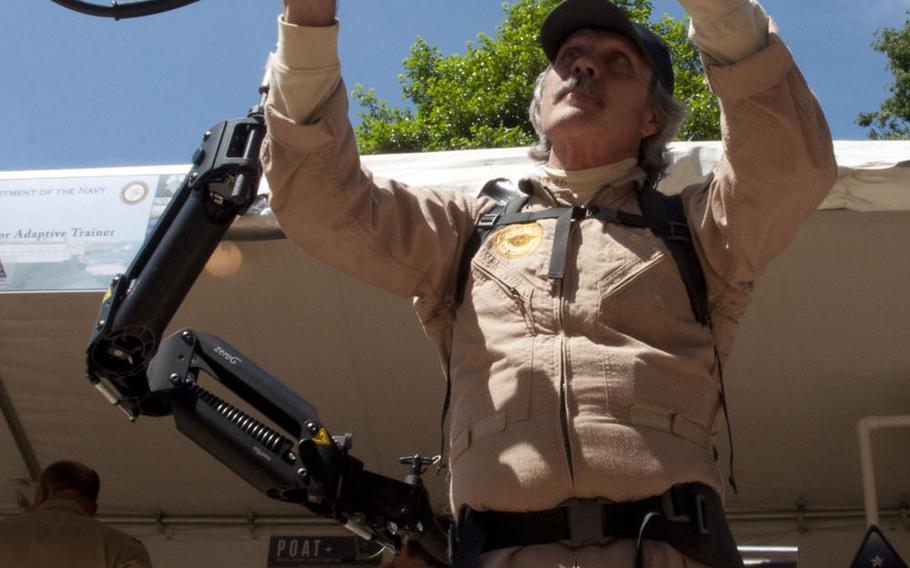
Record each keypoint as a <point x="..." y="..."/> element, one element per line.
<point x="296" y="460"/>
<point x="141" y="302"/>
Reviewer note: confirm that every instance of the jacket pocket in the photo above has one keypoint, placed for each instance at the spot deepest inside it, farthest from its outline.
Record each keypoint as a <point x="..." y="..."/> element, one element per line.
<point x="644" y="296"/>
<point x="655" y="390"/>
<point x="627" y="271"/>
<point x="488" y="383"/>
<point x="477" y="431"/>
<point x="670" y="421"/>
<point x="515" y="290"/>
<point x="494" y="349"/>
<point x="494" y="354"/>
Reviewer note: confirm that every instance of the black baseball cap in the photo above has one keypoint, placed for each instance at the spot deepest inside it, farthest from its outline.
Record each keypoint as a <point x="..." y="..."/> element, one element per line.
<point x="573" y="15"/>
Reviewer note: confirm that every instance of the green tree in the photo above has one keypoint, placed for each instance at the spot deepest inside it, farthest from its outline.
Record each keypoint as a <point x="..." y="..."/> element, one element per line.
<point x="480" y="99"/>
<point x="892" y="120"/>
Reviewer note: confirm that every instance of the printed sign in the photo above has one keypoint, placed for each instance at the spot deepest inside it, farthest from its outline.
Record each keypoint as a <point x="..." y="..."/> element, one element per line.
<point x="309" y="551"/>
<point x="75" y="233"/>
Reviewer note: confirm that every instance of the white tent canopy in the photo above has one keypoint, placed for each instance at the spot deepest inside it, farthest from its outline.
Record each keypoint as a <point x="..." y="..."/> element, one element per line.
<point x="823" y="345"/>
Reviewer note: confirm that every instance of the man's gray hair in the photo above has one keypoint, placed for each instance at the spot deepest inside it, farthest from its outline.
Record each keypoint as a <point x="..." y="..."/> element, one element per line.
<point x="652" y="156"/>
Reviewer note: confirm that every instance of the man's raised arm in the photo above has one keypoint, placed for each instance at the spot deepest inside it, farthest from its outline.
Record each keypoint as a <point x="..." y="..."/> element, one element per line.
<point x="778" y="160"/>
<point x="305" y="69"/>
<point x="404" y="240"/>
<point x="309" y="12"/>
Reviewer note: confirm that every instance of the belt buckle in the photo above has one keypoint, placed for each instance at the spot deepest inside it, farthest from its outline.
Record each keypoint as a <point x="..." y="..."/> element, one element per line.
<point x="672" y="505"/>
<point x="671" y="501"/>
<point x="586" y="520"/>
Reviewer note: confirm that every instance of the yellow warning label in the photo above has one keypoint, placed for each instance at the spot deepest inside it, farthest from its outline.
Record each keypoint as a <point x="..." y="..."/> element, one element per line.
<point x="107" y="294"/>
<point x="322" y="438"/>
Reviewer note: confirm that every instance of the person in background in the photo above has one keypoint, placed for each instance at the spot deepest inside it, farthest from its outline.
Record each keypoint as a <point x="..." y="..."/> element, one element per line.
<point x="60" y="532"/>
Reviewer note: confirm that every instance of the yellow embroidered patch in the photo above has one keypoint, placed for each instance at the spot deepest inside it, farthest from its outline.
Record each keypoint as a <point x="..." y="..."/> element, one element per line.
<point x="518" y="241"/>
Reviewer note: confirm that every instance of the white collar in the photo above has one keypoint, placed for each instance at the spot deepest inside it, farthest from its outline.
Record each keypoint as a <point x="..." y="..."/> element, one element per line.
<point x="580" y="186"/>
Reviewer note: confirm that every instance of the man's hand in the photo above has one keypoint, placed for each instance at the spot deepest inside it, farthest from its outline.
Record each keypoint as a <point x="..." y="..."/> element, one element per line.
<point x="309" y="12"/>
<point x="727" y="30"/>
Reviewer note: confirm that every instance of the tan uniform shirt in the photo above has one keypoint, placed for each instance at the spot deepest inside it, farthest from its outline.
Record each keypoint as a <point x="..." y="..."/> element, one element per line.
<point x="60" y="534"/>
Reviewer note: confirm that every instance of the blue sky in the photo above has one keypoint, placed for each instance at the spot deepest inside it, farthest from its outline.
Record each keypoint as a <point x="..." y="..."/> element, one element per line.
<point x="80" y="91"/>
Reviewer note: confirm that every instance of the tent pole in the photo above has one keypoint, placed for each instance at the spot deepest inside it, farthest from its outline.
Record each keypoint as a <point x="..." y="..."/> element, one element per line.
<point x="26" y="452"/>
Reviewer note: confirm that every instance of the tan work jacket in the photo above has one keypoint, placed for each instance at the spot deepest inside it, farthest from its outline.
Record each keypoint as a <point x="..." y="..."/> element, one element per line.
<point x="60" y="534"/>
<point x="603" y="385"/>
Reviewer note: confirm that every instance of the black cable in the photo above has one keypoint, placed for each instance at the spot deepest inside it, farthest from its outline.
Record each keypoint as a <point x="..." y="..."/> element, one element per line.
<point x="122" y="11"/>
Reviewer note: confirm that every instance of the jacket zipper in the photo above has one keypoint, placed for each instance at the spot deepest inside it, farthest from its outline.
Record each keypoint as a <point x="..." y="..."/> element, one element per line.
<point x="563" y="387"/>
<point x="563" y="364"/>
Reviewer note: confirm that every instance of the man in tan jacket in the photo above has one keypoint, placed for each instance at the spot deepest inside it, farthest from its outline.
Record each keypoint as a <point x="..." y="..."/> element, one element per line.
<point x="586" y="388"/>
<point x="61" y="533"/>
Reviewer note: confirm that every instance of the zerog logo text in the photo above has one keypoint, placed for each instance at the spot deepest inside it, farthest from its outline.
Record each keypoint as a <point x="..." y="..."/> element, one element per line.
<point x="261" y="453"/>
<point x="232" y="359"/>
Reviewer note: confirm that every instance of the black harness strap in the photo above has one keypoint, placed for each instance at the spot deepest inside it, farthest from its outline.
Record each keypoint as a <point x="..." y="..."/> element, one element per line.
<point x="667" y="219"/>
<point x="662" y="214"/>
<point x="506" y="196"/>
<point x="561" y="240"/>
<point x="564" y="217"/>
<point x="689" y="517"/>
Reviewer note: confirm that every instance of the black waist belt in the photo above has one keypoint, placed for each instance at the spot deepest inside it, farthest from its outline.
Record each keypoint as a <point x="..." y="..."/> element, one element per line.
<point x="688" y="517"/>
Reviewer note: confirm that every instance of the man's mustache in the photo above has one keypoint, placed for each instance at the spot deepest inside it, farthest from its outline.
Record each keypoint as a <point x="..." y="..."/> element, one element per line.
<point x="580" y="84"/>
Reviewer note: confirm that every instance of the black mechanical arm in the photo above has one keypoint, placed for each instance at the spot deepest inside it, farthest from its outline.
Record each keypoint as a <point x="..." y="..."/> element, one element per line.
<point x="294" y="459"/>
<point x="304" y="465"/>
<point x="141" y="302"/>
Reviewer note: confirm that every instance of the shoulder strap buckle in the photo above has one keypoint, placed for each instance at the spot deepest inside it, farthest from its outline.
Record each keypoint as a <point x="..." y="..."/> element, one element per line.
<point x="489" y="220"/>
<point x="678" y="231"/>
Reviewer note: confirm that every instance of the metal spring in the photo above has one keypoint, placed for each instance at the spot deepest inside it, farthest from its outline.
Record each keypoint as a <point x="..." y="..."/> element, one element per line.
<point x="256" y="429"/>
